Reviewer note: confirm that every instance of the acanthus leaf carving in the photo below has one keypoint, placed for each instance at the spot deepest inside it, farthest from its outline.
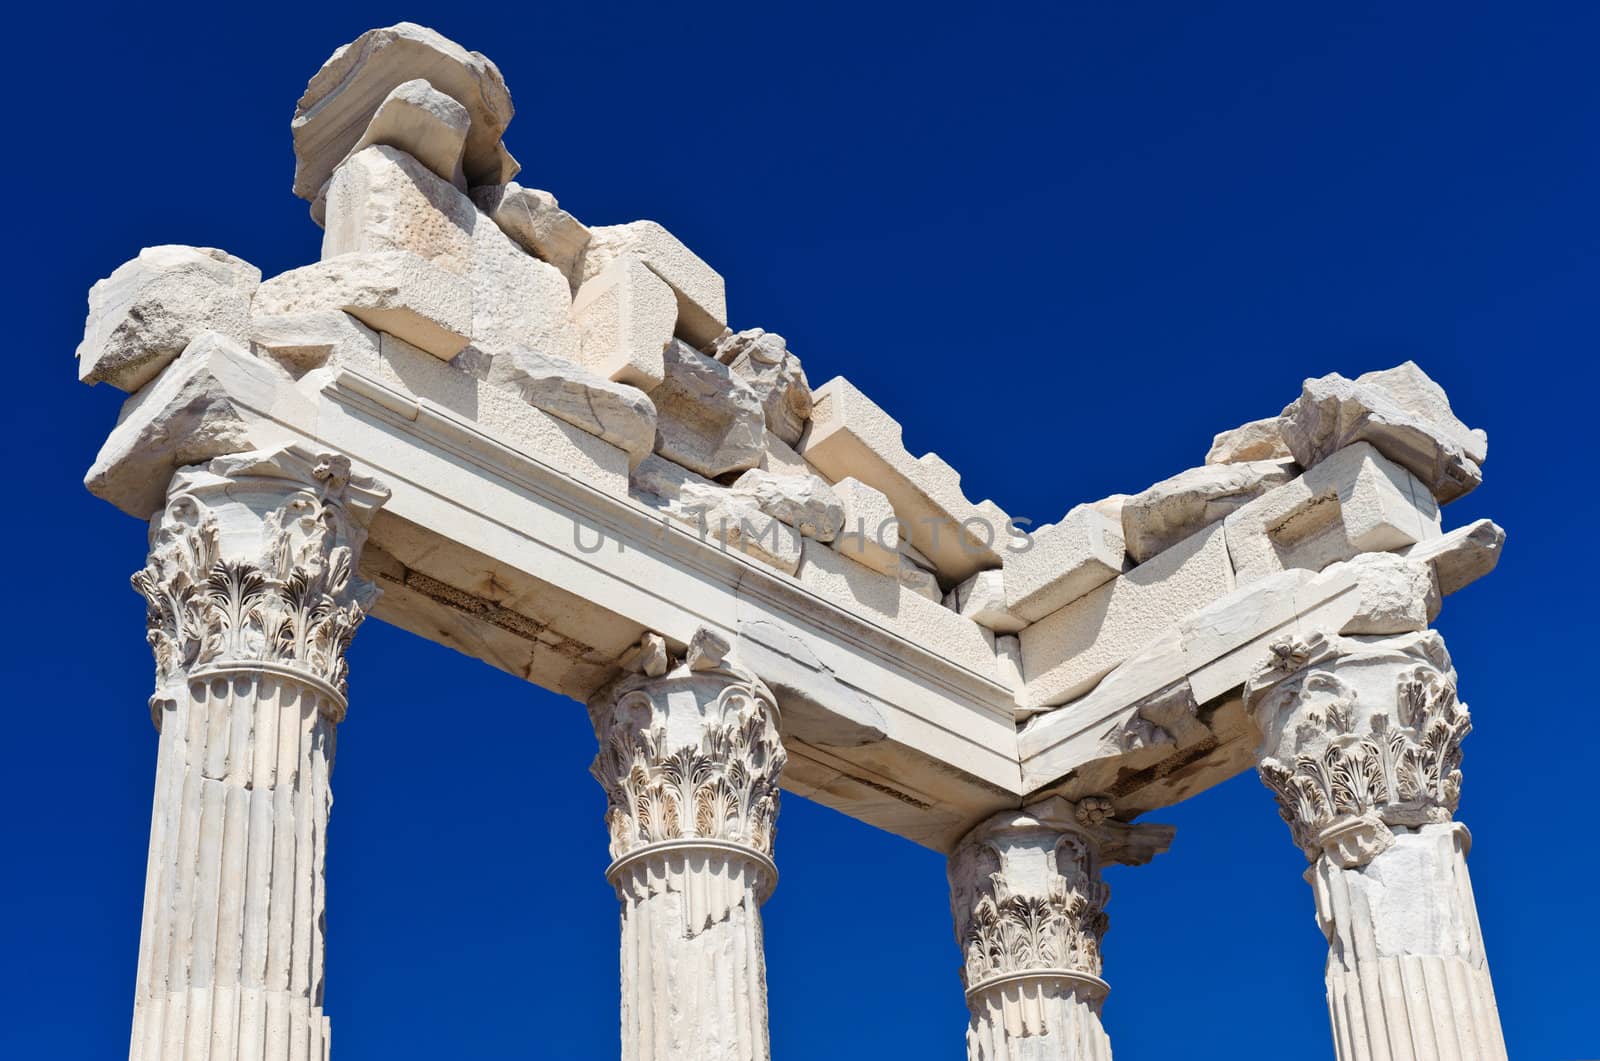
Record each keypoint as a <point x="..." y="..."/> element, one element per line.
<point x="1342" y="789"/>
<point x="722" y="786"/>
<point x="290" y="597"/>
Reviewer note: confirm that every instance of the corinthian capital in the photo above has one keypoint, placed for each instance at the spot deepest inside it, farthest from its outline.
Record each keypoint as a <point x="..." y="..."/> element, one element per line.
<point x="1027" y="896"/>
<point x="253" y="560"/>
<point x="689" y="751"/>
<point x="1363" y="735"/>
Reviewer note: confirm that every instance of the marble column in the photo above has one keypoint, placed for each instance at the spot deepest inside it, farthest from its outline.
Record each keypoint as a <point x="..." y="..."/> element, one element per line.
<point x="1029" y="908"/>
<point x="1363" y="751"/>
<point x="689" y="759"/>
<point x="253" y="598"/>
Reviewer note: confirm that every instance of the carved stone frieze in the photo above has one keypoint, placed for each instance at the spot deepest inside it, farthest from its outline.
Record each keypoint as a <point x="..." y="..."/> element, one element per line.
<point x="254" y="559"/>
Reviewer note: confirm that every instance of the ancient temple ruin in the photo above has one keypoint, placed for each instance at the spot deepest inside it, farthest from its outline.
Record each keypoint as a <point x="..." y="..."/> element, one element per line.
<point x="542" y="443"/>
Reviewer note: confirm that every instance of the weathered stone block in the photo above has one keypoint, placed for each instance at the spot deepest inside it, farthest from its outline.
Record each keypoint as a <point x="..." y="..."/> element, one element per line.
<point x="805" y="503"/>
<point x="341" y="98"/>
<point x="1062" y="562"/>
<point x="1259" y="440"/>
<point x="395" y="292"/>
<point x="148" y="310"/>
<point x="624" y="416"/>
<point x="625" y="315"/>
<point x="849" y="436"/>
<point x="869" y="534"/>
<point x="1354" y="502"/>
<point x="1402" y="413"/>
<point x="424" y="123"/>
<point x="536" y="222"/>
<point x="764" y="360"/>
<point x="1067" y="652"/>
<point x="213" y="400"/>
<point x="707" y="419"/>
<point x="1173" y="509"/>
<point x="702" y="302"/>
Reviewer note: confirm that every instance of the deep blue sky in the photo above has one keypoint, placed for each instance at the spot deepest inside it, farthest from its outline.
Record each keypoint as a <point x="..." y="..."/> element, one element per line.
<point x="1064" y="244"/>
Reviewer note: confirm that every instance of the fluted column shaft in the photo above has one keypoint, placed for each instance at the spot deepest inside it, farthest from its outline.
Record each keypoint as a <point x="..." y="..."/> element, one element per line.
<point x="252" y="602"/>
<point x="1029" y="909"/>
<point x="690" y="758"/>
<point x="1363" y="751"/>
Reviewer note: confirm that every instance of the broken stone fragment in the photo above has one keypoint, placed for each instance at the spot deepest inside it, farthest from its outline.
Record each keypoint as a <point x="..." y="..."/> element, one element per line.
<point x="707" y="419"/>
<point x="702" y="301"/>
<point x="1398" y="595"/>
<point x="341" y="99"/>
<point x="148" y="310"/>
<point x="1173" y="509"/>
<point x="395" y="292"/>
<point x="625" y="315"/>
<point x="1462" y="556"/>
<point x="807" y="504"/>
<point x="1259" y="440"/>
<point x="623" y="416"/>
<point x="763" y="359"/>
<point x="424" y="123"/>
<point x="716" y="513"/>
<point x="301" y="342"/>
<point x="1401" y="412"/>
<point x="382" y="199"/>
<point x="213" y="400"/>
<point x="535" y="220"/>
<point x="982" y="598"/>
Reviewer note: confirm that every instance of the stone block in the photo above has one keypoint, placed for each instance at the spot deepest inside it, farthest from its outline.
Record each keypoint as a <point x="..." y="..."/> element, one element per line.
<point x="707" y="419"/>
<point x="424" y="123"/>
<point x="342" y="97"/>
<point x="835" y="576"/>
<point x="625" y="315"/>
<point x="982" y="598"/>
<point x="1068" y="651"/>
<point x="702" y="301"/>
<point x="535" y="222"/>
<point x="1402" y="413"/>
<point x="383" y="200"/>
<point x="849" y="436"/>
<point x="1462" y="556"/>
<point x="1355" y="501"/>
<point x="395" y="292"/>
<point x="301" y="342"/>
<point x="929" y="625"/>
<point x="148" y="310"/>
<point x="1175" y="508"/>
<point x="1062" y="562"/>
<point x="1259" y="440"/>
<point x="870" y="534"/>
<point x="215" y="399"/>
<point x="805" y="503"/>
<point x="780" y="458"/>
<point x="718" y="514"/>
<point x="764" y="360"/>
<point x="1397" y="595"/>
<point x="624" y="416"/>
